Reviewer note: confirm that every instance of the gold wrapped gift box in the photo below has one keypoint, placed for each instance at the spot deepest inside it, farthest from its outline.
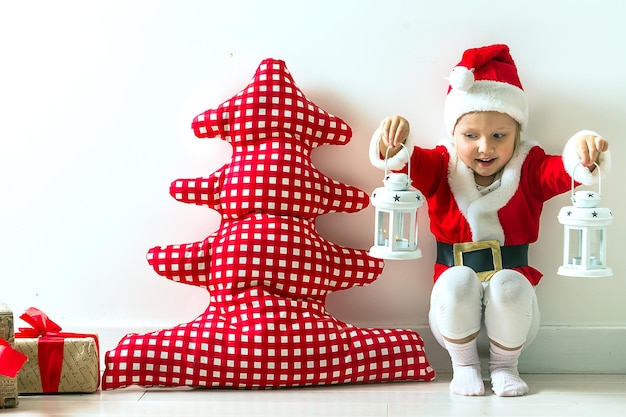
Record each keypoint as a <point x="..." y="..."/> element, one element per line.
<point x="79" y="370"/>
<point x="8" y="392"/>
<point x="8" y="386"/>
<point x="57" y="361"/>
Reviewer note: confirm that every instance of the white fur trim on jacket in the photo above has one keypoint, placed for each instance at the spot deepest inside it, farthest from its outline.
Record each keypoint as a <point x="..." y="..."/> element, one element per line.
<point x="481" y="212"/>
<point x="571" y="161"/>
<point x="396" y="162"/>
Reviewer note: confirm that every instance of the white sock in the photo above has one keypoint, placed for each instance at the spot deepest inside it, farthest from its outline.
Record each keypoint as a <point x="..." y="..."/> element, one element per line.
<point x="467" y="378"/>
<point x="505" y="379"/>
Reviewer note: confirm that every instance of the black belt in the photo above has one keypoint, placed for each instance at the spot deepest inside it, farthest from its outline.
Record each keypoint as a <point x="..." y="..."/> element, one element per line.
<point x="484" y="257"/>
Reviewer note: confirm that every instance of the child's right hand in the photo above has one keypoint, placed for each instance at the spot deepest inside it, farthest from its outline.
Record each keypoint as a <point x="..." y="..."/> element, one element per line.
<point x="393" y="131"/>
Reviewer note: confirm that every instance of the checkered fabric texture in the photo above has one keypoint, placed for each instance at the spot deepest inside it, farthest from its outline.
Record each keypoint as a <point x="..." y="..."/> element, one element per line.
<point x="266" y="268"/>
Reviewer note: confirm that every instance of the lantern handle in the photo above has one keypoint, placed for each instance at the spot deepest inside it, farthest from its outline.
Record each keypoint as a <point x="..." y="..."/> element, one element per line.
<point x="408" y="167"/>
<point x="599" y="179"/>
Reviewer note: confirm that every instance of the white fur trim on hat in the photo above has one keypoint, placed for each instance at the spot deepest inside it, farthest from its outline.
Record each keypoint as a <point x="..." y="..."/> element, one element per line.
<point x="396" y="162"/>
<point x="485" y="96"/>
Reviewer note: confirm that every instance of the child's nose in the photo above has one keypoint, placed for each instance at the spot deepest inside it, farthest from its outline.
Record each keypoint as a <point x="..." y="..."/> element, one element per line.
<point x="483" y="144"/>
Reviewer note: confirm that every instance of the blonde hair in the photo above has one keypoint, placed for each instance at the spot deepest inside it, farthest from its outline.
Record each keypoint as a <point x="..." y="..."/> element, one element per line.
<point x="518" y="137"/>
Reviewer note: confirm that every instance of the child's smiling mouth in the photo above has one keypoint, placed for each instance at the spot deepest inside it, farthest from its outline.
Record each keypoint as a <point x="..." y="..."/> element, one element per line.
<point x="485" y="162"/>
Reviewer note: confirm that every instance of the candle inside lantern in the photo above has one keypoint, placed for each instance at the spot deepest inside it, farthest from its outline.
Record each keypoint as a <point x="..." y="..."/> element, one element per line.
<point x="402" y="243"/>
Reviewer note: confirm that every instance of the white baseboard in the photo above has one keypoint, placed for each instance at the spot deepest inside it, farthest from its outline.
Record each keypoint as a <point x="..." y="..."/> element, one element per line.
<point x="557" y="349"/>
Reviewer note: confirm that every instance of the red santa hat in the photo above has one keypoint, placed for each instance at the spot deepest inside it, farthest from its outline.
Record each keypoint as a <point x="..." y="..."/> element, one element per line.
<point x="485" y="80"/>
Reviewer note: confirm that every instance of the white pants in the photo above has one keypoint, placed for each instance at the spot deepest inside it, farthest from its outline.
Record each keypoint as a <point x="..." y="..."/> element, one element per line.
<point x="504" y="309"/>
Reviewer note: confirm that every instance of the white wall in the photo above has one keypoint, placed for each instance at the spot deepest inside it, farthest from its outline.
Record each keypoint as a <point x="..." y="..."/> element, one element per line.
<point x="96" y="100"/>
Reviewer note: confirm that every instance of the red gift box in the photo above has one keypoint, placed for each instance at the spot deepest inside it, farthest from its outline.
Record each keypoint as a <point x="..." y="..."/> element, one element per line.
<point x="57" y="361"/>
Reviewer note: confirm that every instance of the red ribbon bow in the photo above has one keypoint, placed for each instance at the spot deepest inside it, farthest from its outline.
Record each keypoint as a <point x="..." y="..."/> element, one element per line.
<point x="41" y="324"/>
<point x="50" y="346"/>
<point x="11" y="360"/>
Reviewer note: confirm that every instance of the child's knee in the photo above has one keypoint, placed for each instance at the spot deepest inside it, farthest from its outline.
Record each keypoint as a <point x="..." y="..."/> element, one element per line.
<point x="459" y="284"/>
<point x="508" y="287"/>
<point x="510" y="303"/>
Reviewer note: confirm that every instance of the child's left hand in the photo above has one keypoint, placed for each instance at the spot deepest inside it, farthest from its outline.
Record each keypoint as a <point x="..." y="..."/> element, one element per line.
<point x="589" y="148"/>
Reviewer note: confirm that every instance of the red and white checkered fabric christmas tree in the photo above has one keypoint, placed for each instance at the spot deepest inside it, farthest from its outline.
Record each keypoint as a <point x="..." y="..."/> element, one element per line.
<point x="266" y="268"/>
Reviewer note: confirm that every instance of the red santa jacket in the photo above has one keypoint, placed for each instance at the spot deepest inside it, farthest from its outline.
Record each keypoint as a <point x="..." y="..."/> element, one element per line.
<point x="510" y="214"/>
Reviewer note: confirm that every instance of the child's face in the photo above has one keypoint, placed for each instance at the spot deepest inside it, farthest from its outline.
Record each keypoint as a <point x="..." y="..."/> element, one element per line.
<point x="485" y="142"/>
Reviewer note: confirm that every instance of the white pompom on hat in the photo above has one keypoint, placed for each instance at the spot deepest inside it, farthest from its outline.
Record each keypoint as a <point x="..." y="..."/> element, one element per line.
<point x="485" y="80"/>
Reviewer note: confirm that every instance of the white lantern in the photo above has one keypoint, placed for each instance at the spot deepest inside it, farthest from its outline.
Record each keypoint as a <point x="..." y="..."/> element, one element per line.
<point x="584" y="248"/>
<point x="397" y="204"/>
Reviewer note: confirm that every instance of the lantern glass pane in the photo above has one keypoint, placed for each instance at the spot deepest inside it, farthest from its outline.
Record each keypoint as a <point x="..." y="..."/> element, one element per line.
<point x="596" y="250"/>
<point x="402" y="230"/>
<point x="383" y="228"/>
<point x="575" y="246"/>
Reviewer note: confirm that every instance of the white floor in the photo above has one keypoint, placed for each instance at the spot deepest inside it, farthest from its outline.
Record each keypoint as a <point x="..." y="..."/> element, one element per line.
<point x="550" y="395"/>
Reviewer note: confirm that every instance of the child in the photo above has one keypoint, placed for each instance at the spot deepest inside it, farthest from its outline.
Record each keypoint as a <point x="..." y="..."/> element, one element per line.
<point x="485" y="190"/>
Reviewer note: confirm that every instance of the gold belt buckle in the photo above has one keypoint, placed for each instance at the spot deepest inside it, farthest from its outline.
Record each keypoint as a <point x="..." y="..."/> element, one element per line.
<point x="460" y="248"/>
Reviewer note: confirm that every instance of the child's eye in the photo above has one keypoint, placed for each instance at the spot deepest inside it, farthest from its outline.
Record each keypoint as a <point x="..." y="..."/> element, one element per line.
<point x="470" y="136"/>
<point x="499" y="135"/>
